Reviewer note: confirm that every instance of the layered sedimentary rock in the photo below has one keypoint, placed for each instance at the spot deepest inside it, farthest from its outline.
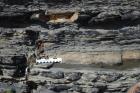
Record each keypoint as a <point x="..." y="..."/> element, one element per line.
<point x="106" y="31"/>
<point x="82" y="80"/>
<point x="14" y="48"/>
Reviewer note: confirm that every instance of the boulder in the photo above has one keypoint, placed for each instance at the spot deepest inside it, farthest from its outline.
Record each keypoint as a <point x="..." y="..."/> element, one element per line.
<point x="73" y="76"/>
<point x="54" y="75"/>
<point x="58" y="88"/>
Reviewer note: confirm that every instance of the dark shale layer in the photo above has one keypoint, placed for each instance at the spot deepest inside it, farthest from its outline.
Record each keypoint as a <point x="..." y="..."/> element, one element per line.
<point x="106" y="32"/>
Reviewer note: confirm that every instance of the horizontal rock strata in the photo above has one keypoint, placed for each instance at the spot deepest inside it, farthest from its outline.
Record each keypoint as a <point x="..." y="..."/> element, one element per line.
<point x="106" y="32"/>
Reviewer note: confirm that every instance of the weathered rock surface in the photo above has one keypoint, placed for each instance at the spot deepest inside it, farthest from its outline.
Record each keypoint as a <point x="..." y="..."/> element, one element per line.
<point x="14" y="50"/>
<point x="56" y="75"/>
<point x="106" y="32"/>
<point x="105" y="25"/>
<point x="73" y="76"/>
<point x="86" y="81"/>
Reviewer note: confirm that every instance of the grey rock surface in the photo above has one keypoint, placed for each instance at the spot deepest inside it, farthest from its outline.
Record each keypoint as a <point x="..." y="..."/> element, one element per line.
<point x="106" y="32"/>
<point x="122" y="82"/>
<point x="55" y="75"/>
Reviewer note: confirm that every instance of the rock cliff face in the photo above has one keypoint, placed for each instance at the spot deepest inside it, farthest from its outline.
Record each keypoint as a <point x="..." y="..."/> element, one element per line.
<point x="14" y="48"/>
<point x="106" y="32"/>
<point x="83" y="81"/>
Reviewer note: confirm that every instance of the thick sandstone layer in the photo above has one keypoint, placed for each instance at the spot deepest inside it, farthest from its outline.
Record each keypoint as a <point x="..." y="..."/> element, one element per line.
<point x="91" y="58"/>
